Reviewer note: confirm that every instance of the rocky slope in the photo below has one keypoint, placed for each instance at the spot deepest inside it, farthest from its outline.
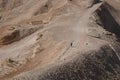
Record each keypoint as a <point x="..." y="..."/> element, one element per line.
<point x="59" y="40"/>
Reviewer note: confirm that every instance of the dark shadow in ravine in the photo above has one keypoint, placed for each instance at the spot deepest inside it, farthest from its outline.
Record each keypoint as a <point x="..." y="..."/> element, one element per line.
<point x="108" y="21"/>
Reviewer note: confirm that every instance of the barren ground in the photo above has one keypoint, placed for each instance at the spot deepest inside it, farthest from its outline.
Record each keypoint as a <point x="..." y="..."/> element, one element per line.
<point x="59" y="39"/>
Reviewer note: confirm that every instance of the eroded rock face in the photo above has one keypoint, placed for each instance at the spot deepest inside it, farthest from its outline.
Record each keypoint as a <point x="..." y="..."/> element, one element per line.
<point x="59" y="40"/>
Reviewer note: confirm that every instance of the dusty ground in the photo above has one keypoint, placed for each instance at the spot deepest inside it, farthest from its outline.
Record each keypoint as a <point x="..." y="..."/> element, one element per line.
<point x="59" y="40"/>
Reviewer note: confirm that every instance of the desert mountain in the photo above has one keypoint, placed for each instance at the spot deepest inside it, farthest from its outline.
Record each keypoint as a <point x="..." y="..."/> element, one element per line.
<point x="59" y="39"/>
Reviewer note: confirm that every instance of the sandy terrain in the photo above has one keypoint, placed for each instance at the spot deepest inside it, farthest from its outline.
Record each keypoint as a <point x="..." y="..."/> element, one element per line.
<point x="59" y="40"/>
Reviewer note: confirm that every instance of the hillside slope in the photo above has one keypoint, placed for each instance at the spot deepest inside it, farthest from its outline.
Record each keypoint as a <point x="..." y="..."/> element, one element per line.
<point x="59" y="40"/>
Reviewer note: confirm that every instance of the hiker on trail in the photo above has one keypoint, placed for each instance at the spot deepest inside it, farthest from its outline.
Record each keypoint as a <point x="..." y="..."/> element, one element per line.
<point x="71" y="44"/>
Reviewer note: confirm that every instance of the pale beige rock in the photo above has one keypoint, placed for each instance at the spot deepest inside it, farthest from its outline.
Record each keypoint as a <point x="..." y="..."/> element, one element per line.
<point x="60" y="39"/>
